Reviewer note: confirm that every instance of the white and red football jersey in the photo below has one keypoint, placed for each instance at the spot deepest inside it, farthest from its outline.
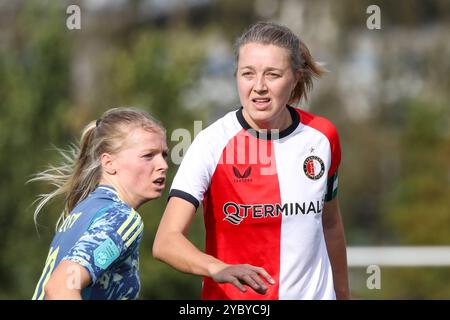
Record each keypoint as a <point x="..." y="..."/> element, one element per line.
<point x="263" y="199"/>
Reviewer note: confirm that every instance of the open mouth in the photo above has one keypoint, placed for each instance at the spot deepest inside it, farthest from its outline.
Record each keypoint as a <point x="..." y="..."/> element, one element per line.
<point x="261" y="100"/>
<point x="160" y="181"/>
<point x="261" y="103"/>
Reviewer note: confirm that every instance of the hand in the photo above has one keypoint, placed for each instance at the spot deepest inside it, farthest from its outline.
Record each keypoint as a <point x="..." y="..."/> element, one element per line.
<point x="243" y="274"/>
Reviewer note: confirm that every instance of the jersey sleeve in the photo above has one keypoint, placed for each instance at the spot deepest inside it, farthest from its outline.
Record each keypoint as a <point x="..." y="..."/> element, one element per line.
<point x="335" y="149"/>
<point x="111" y="237"/>
<point x="194" y="174"/>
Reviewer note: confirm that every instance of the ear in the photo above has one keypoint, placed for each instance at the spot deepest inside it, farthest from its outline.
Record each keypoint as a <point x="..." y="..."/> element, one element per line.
<point x="108" y="164"/>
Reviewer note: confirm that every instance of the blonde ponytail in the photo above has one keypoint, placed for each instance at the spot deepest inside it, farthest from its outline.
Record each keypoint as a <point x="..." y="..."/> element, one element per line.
<point x="67" y="177"/>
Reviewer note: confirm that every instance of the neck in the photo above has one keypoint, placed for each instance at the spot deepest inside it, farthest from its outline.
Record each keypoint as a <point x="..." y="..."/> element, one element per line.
<point x="280" y="122"/>
<point x="123" y="195"/>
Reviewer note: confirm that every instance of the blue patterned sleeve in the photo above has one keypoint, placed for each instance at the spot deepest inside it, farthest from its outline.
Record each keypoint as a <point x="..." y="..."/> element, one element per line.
<point x="109" y="238"/>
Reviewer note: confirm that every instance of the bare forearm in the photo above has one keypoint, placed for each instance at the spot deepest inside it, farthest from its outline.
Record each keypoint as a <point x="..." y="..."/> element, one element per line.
<point x="176" y="250"/>
<point x="335" y="240"/>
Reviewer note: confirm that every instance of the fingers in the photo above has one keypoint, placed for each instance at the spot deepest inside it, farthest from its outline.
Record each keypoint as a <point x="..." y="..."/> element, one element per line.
<point x="264" y="273"/>
<point x="238" y="284"/>
<point x="241" y="275"/>
<point x="255" y="282"/>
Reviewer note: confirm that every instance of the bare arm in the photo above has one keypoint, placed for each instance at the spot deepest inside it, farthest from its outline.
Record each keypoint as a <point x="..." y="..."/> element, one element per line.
<point x="335" y="240"/>
<point x="67" y="281"/>
<point x="172" y="246"/>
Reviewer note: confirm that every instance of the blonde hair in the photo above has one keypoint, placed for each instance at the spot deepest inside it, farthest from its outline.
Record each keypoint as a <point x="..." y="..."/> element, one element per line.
<point x="300" y="57"/>
<point x="80" y="172"/>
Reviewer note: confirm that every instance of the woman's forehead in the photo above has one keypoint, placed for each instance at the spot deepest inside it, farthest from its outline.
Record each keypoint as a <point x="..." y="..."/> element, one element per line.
<point x="140" y="137"/>
<point x="258" y="52"/>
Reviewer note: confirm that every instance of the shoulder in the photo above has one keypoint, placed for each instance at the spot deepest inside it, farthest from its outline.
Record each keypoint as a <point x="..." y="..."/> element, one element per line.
<point x="321" y="124"/>
<point x="115" y="216"/>
<point x="118" y="224"/>
<point x="222" y="129"/>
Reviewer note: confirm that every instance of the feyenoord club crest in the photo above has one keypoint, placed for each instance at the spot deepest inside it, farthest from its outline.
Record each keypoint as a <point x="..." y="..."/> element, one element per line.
<point x="313" y="167"/>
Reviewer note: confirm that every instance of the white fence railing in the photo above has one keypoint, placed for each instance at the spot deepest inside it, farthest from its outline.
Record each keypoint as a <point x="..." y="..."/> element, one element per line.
<point x="421" y="256"/>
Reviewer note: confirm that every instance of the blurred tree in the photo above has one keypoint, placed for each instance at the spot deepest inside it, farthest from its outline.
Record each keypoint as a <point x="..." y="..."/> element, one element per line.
<point x="414" y="207"/>
<point x="418" y="206"/>
<point x="147" y="68"/>
<point x="34" y="82"/>
<point x="417" y="209"/>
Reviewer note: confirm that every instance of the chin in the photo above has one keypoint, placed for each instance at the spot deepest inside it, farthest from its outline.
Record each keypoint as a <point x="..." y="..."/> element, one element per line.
<point x="155" y="195"/>
<point x="261" y="115"/>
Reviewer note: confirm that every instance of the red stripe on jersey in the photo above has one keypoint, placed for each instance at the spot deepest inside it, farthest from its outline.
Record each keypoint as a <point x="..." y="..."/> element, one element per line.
<point x="243" y="181"/>
<point x="329" y="130"/>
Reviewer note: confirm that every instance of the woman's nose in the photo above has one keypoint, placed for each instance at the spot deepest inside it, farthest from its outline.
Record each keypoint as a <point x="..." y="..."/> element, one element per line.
<point x="260" y="84"/>
<point x="163" y="164"/>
